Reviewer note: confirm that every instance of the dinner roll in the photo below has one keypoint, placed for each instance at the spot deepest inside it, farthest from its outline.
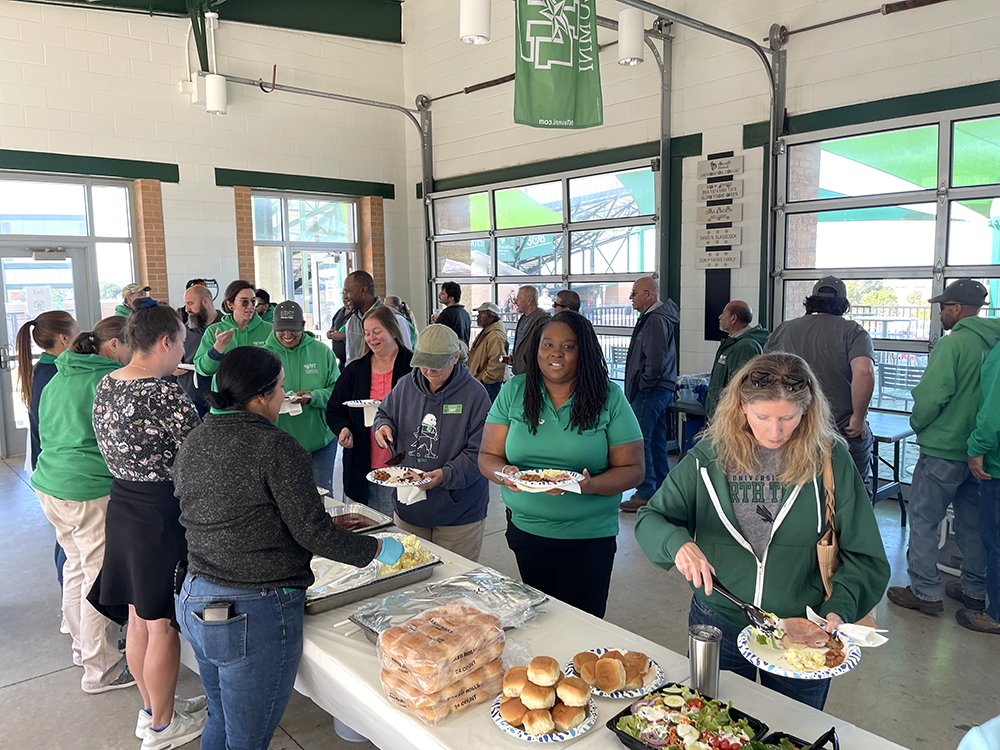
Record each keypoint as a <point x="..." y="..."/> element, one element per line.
<point x="638" y="660"/>
<point x="538" y="722"/>
<point x="514" y="681"/>
<point x="568" y="717"/>
<point x="633" y="678"/>
<point x="586" y="672"/>
<point x="573" y="692"/>
<point x="610" y="675"/>
<point x="584" y="657"/>
<point x="543" y="670"/>
<point x="616" y="655"/>
<point x="538" y="696"/>
<point x="513" y="711"/>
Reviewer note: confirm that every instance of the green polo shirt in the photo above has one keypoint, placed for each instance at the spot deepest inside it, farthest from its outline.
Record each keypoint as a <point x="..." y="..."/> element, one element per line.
<point x="558" y="446"/>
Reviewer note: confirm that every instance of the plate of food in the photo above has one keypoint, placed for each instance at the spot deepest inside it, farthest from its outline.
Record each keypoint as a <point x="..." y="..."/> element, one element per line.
<point x="397" y="476"/>
<point x="801" y="651"/>
<point x="559" y="724"/>
<point x="361" y="403"/>
<point x="630" y="676"/>
<point x="542" y="480"/>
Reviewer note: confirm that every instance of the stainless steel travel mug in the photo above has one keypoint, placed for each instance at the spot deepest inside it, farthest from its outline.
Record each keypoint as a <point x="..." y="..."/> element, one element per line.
<point x="704" y="646"/>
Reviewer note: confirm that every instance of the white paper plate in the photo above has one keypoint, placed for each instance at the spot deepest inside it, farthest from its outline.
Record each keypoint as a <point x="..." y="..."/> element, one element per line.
<point x="773" y="660"/>
<point x="185" y="366"/>
<point x="651" y="679"/>
<point x="395" y="472"/>
<point x="520" y="734"/>
<point x="363" y="402"/>
<point x="574" y="478"/>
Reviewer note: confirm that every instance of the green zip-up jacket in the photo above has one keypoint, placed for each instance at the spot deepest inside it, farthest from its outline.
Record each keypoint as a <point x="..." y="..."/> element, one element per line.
<point x="985" y="438"/>
<point x="310" y="366"/>
<point x="946" y="399"/>
<point x="70" y="465"/>
<point x="693" y="505"/>
<point x="734" y="352"/>
<point x="123" y="311"/>
<point x="206" y="360"/>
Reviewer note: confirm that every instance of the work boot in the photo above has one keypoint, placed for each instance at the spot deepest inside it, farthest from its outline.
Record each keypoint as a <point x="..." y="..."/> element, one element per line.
<point x="980" y="621"/>
<point x="954" y="590"/>
<point x="904" y="597"/>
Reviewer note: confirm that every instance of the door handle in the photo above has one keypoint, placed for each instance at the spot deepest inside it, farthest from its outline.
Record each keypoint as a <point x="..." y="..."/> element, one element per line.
<point x="6" y="360"/>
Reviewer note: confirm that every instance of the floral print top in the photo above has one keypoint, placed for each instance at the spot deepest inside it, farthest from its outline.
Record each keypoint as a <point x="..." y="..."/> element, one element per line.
<point x="140" y="424"/>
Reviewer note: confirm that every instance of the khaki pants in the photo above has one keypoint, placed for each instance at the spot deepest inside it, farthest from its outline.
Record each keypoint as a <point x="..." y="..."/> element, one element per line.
<point x="80" y="532"/>
<point x="465" y="540"/>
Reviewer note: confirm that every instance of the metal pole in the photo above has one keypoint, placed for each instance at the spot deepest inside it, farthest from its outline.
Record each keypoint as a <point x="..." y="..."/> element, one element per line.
<point x="666" y="73"/>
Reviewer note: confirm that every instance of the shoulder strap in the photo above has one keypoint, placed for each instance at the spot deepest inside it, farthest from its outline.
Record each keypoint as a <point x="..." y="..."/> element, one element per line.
<point x="828" y="485"/>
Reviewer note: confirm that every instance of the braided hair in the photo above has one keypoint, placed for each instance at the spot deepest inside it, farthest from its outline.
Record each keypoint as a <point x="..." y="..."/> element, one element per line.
<point x="591" y="391"/>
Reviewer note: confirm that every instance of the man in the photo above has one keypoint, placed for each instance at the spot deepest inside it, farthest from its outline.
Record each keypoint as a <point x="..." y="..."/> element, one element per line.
<point x="566" y="300"/>
<point x="265" y="308"/>
<point x="338" y="338"/>
<point x="490" y="345"/>
<point x="945" y="402"/>
<point x="650" y="381"/>
<point x="841" y="354"/>
<point x="359" y="288"/>
<point x="741" y="344"/>
<point x="130" y="293"/>
<point x="201" y="313"/>
<point x="532" y="318"/>
<point x="454" y="315"/>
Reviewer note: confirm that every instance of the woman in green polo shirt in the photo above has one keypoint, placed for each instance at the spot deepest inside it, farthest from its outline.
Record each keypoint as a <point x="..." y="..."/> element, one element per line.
<point x="564" y="413"/>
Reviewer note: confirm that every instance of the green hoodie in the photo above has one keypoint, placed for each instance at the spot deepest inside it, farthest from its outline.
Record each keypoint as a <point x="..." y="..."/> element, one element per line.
<point x="310" y="366"/>
<point x="734" y="352"/>
<point x="985" y="439"/>
<point x="123" y="311"/>
<point x="255" y="334"/>
<point x="946" y="399"/>
<point x="693" y="505"/>
<point x="70" y="465"/>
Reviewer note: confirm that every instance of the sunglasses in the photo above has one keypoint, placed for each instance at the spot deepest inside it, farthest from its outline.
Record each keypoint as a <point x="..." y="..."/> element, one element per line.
<point x="252" y="302"/>
<point x="791" y="383"/>
<point x="556" y="304"/>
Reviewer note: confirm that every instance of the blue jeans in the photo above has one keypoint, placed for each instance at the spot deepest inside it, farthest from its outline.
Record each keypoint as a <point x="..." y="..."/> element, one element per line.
<point x="650" y="409"/>
<point x="989" y="530"/>
<point x="247" y="663"/>
<point x="936" y="483"/>
<point x="323" y="461"/>
<point x="861" y="452"/>
<point x="811" y="692"/>
<point x="493" y="389"/>
<point x="382" y="499"/>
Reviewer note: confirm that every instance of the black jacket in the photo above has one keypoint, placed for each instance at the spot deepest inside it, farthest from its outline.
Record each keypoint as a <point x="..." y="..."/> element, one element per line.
<point x="652" y="354"/>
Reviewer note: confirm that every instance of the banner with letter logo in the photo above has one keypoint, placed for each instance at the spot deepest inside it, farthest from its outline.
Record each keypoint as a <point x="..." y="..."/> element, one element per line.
<point x="557" y="80"/>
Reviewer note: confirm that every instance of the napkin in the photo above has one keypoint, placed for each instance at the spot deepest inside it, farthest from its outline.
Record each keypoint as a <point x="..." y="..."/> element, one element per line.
<point x="287" y="407"/>
<point x="410" y="494"/>
<point x="860" y="635"/>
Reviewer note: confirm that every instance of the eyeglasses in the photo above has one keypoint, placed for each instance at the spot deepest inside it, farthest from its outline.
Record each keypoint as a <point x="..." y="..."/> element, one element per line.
<point x="791" y="383"/>
<point x="252" y="302"/>
<point x="558" y="304"/>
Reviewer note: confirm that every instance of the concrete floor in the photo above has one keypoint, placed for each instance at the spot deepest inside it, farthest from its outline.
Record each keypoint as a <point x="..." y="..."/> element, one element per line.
<point x="924" y="689"/>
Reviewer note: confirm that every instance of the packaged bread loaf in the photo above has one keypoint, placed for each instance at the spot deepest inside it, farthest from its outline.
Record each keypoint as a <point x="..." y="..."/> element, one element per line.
<point x="478" y="687"/>
<point x="441" y="646"/>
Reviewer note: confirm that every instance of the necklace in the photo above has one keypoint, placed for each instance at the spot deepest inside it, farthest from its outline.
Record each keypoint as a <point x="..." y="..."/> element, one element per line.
<point x="140" y="367"/>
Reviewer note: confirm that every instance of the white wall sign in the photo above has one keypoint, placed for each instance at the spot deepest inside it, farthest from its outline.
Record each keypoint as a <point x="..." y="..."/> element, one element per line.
<point x="719" y="190"/>
<point x="716" y="214"/>
<point x="727" y="259"/>
<point x="713" y="237"/>
<point x="723" y="167"/>
<point x="39" y="300"/>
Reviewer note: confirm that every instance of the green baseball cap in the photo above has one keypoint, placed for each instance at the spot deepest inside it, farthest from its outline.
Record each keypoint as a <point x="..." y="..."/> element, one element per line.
<point x="436" y="345"/>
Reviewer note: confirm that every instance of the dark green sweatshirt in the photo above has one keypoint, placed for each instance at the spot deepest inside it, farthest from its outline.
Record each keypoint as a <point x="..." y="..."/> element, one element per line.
<point x="310" y="366"/>
<point x="734" y="352"/>
<point x="206" y="362"/>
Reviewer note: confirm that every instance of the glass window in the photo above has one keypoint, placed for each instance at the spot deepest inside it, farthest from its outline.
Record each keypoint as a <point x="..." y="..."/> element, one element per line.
<point x="51" y="208"/>
<point x="894" y="161"/>
<point x="110" y="211"/>
<point x="464" y="258"/>
<point x="463" y="213"/>
<point x="615" y="350"/>
<point x="507" y="292"/>
<point x="896" y="373"/>
<point x="974" y="232"/>
<point x="624" y="250"/>
<point x="607" y="304"/>
<point x="114" y="271"/>
<point x="473" y="295"/>
<point x="269" y="267"/>
<point x="612" y="196"/>
<point x="976" y="152"/>
<point x="316" y="220"/>
<point x="531" y="254"/>
<point x="862" y="237"/>
<point x="266" y="218"/>
<point x="530" y="206"/>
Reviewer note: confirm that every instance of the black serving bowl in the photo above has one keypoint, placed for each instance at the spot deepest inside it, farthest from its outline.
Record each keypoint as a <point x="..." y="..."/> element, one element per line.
<point x="827" y="740"/>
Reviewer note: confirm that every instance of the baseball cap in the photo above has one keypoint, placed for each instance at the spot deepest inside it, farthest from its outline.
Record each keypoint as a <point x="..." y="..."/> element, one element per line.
<point x="288" y="317"/>
<point x="129" y="289"/>
<point x="831" y="287"/>
<point x="488" y="307"/>
<point x="436" y="345"/>
<point x="965" y="291"/>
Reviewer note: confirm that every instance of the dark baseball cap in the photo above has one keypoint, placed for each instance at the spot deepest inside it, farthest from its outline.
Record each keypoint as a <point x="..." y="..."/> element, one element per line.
<point x="964" y="291"/>
<point x="831" y="287"/>
<point x="288" y="317"/>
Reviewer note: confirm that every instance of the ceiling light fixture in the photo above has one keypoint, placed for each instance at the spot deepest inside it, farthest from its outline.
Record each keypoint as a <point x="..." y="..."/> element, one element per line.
<point x="630" y="36"/>
<point x="216" y="100"/>
<point x="474" y="21"/>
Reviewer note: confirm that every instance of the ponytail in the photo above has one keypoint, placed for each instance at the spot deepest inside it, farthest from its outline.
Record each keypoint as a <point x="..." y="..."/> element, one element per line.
<point x="90" y="342"/>
<point x="45" y="330"/>
<point x="244" y="373"/>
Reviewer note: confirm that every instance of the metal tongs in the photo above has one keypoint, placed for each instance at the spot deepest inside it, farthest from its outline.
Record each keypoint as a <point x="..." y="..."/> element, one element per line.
<point x="757" y="617"/>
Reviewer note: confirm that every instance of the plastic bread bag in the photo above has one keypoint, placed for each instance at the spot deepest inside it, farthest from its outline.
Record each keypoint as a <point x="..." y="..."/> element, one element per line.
<point x="476" y="688"/>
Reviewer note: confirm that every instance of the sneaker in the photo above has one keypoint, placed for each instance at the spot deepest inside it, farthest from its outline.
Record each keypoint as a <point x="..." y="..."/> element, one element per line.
<point x="954" y="590"/>
<point x="181" y="706"/>
<point x="182" y="729"/>
<point x="632" y="505"/>
<point x="904" y="597"/>
<point x="124" y="680"/>
<point x="64" y="627"/>
<point x="975" y="620"/>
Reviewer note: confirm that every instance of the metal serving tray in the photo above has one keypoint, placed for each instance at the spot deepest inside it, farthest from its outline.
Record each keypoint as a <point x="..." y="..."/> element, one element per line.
<point x="374" y="588"/>
<point x="378" y="520"/>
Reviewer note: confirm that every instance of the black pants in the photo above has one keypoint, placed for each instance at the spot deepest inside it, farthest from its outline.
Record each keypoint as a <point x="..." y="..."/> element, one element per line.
<point x="576" y="571"/>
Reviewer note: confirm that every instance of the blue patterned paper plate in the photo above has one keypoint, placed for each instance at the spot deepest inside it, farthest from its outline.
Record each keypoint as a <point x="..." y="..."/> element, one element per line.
<point x="653" y="677"/>
<point x="520" y="734"/>
<point x="571" y="478"/>
<point x="772" y="660"/>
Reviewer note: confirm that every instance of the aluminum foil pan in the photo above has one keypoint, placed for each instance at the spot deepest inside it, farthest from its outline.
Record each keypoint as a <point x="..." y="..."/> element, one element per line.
<point x="359" y="518"/>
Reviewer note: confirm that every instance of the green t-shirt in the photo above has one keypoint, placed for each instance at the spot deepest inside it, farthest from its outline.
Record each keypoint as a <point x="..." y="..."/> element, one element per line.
<point x="558" y="446"/>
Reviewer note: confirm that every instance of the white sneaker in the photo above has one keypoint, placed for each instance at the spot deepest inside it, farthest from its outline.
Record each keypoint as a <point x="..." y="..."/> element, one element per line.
<point x="182" y="729"/>
<point x="181" y="706"/>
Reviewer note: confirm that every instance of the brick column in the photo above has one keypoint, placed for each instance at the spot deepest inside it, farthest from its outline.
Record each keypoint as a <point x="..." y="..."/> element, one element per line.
<point x="152" y="250"/>
<point x="244" y="234"/>
<point x="371" y="239"/>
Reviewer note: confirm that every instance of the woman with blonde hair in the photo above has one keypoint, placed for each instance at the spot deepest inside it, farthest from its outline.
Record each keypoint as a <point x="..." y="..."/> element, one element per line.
<point x="751" y="493"/>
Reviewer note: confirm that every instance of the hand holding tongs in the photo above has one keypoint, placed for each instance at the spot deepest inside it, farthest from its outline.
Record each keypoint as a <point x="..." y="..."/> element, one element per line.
<point x="755" y="615"/>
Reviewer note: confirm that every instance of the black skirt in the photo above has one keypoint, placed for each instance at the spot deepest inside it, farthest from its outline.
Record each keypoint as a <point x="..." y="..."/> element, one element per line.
<point x="144" y="541"/>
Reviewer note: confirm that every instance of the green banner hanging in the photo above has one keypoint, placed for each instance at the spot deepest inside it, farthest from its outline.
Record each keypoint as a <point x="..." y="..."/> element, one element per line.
<point x="558" y="77"/>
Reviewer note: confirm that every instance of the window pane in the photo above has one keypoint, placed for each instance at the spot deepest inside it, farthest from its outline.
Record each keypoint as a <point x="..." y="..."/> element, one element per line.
<point x="114" y="271"/>
<point x="318" y="277"/>
<point x="862" y="237"/>
<point x="266" y="218"/>
<point x="976" y="152"/>
<point x="531" y="206"/>
<point x="607" y="304"/>
<point x="463" y="213"/>
<point x="896" y="373"/>
<point x="464" y="258"/>
<point x="269" y="270"/>
<point x="42" y="208"/>
<point x="612" y="196"/>
<point x="312" y="220"/>
<point x="889" y="162"/>
<point x="974" y="232"/>
<point x="615" y="349"/>
<point x="625" y="250"/>
<point x="533" y="254"/>
<point x="507" y="292"/>
<point x="473" y="295"/>
<point x="110" y="211"/>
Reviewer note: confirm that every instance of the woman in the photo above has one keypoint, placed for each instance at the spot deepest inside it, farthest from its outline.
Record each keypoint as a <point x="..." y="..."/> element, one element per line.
<point x="751" y="493"/>
<point x="311" y="372"/>
<point x="563" y="413"/>
<point x="73" y="483"/>
<point x="435" y="417"/>
<point x="397" y="304"/>
<point x="241" y="327"/>
<point x="253" y="520"/>
<point x="384" y="360"/>
<point x="140" y="420"/>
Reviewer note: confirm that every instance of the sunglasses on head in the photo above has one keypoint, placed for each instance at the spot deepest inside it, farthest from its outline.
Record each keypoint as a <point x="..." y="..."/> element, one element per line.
<point x="791" y="383"/>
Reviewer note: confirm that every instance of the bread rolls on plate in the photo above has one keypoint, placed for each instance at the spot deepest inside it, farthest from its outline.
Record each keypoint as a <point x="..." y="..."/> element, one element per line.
<point x="568" y="717"/>
<point x="514" y="681"/>
<point x="586" y="672"/>
<point x="537" y="697"/>
<point x="538" y="721"/>
<point x="609" y="674"/>
<point x="512" y="711"/>
<point x="584" y="657"/>
<point x="637" y="660"/>
<point x="573" y="692"/>
<point x="634" y="679"/>
<point x="544" y="671"/>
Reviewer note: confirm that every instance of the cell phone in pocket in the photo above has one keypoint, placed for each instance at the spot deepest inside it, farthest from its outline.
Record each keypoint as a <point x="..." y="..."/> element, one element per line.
<point x="217" y="611"/>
